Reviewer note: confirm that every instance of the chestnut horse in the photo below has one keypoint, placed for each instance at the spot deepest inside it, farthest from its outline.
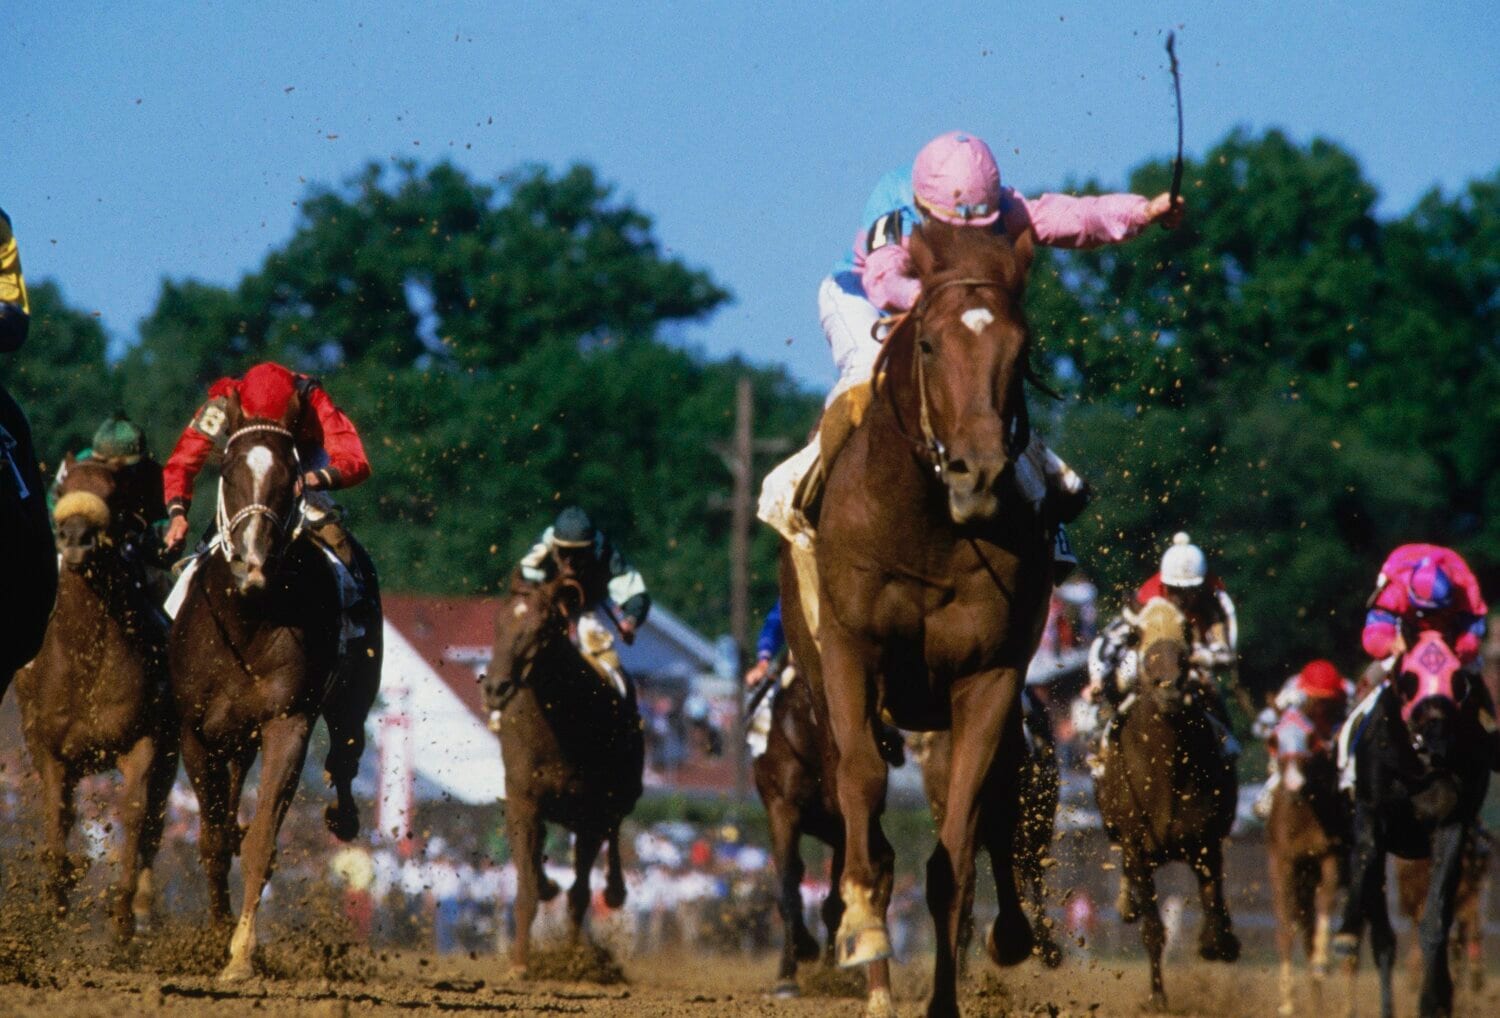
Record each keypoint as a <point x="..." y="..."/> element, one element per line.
<point x="1041" y="785"/>
<point x="97" y="696"/>
<point x="28" y="562"/>
<point x="573" y="749"/>
<point x="933" y="574"/>
<point x="1167" y="792"/>
<point x="255" y="658"/>
<point x="1307" y="844"/>
<point x="1422" y="769"/>
<point x="799" y="799"/>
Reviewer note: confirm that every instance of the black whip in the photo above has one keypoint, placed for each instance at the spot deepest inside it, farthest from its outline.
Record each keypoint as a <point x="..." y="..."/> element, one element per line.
<point x="1177" y="92"/>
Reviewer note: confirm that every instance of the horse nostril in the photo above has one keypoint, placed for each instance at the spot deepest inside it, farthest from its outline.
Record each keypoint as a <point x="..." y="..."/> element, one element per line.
<point x="958" y="466"/>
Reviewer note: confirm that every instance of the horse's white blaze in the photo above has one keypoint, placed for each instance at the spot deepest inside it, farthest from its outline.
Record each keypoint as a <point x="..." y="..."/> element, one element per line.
<point x="259" y="461"/>
<point x="520" y="609"/>
<point x="977" y="319"/>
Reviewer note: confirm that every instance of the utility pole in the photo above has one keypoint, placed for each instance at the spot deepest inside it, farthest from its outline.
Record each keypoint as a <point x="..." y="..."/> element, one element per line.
<point x="743" y="469"/>
<point x="739" y="456"/>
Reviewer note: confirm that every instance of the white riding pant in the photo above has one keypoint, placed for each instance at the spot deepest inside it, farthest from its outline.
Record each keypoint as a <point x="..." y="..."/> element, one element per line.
<point x="848" y="320"/>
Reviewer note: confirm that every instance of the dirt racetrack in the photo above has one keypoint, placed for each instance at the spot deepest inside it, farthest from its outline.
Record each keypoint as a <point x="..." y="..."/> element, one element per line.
<point x="669" y="985"/>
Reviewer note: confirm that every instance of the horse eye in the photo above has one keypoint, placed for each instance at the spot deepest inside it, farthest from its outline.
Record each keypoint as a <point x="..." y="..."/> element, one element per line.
<point x="925" y="346"/>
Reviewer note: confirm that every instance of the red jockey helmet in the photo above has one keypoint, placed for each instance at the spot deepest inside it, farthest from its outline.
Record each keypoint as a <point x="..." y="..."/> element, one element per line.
<point x="1320" y="680"/>
<point x="267" y="390"/>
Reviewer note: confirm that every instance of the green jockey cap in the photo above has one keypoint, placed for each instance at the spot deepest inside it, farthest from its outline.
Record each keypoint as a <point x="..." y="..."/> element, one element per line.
<point x="120" y="438"/>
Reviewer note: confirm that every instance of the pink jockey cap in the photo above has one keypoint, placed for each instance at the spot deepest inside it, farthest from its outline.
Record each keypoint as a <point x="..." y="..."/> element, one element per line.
<point x="1429" y="585"/>
<point x="955" y="179"/>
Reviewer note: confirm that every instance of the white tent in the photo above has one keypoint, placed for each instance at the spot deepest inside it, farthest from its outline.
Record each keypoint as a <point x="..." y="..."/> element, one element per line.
<point x="428" y="740"/>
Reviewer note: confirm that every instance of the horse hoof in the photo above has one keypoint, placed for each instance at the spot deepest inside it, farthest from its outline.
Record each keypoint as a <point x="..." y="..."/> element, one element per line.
<point x="1156" y="1004"/>
<point x="880" y="1005"/>
<point x="1012" y="949"/>
<point x="614" y="897"/>
<point x="237" y="972"/>
<point x="1224" y="947"/>
<point x="1344" y="946"/>
<point x="804" y="947"/>
<point x="341" y="823"/>
<point x="786" y="989"/>
<point x="861" y="947"/>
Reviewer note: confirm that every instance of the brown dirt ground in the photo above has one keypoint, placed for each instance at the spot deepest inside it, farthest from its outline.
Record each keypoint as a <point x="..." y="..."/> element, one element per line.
<point x="338" y="984"/>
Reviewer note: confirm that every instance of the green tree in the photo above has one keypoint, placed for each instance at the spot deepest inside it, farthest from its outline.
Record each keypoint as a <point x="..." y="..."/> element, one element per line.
<point x="60" y="376"/>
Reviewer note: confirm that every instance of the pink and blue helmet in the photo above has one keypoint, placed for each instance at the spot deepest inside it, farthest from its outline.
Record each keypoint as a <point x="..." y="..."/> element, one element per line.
<point x="955" y="179"/>
<point x="1428" y="586"/>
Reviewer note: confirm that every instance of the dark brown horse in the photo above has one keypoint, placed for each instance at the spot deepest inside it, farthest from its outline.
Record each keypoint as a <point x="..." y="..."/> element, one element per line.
<point x="96" y="696"/>
<point x="1422" y="763"/>
<point x="933" y="575"/>
<point x="28" y="562"/>
<point x="255" y="658"/>
<point x="1167" y="792"/>
<point x="1413" y="880"/>
<point x="1040" y="788"/>
<point x="573" y="750"/>
<point x="800" y="800"/>
<point x="1307" y="845"/>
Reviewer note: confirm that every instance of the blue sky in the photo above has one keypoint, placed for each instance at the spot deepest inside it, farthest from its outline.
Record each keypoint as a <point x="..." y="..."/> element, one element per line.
<point x="145" y="141"/>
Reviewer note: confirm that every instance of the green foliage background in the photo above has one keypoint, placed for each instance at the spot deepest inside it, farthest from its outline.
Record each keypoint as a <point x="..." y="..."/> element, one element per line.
<point x="1297" y="383"/>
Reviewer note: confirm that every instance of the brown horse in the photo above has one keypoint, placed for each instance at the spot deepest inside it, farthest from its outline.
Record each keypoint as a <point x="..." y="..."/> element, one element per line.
<point x="1167" y="792"/>
<point x="1414" y="878"/>
<point x="933" y="579"/>
<point x="1040" y="788"/>
<point x="255" y="658"/>
<point x="573" y="749"/>
<point x="1307" y="846"/>
<point x="96" y="696"/>
<point x="800" y="800"/>
<point x="28" y="563"/>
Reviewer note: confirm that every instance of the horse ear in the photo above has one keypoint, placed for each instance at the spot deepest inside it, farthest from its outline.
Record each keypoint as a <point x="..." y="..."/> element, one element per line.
<point x="923" y="256"/>
<point x="1025" y="248"/>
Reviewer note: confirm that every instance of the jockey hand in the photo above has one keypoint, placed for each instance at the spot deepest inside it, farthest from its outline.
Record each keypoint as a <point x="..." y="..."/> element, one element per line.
<point x="1092" y="692"/>
<point x="1203" y="657"/>
<point x="1161" y="209"/>
<point x="310" y="481"/>
<point x="176" y="535"/>
<point x="757" y="672"/>
<point x="627" y="631"/>
<point x="1398" y="645"/>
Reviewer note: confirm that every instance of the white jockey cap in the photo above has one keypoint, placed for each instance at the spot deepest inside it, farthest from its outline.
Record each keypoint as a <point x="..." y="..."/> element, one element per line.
<point x="1184" y="564"/>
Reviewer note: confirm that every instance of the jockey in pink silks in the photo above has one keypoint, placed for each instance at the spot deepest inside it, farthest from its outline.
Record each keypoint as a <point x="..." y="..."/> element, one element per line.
<point x="954" y="179"/>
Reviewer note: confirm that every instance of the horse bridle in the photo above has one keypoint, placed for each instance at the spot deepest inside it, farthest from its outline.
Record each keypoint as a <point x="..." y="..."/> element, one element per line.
<point x="227" y="523"/>
<point x="930" y="446"/>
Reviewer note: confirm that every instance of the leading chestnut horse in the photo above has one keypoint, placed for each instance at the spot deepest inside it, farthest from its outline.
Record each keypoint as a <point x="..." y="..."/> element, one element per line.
<point x="255" y="660"/>
<point x="933" y="579"/>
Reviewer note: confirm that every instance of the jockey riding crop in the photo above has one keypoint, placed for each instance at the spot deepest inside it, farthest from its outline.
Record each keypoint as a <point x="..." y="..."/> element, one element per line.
<point x="1177" y="93"/>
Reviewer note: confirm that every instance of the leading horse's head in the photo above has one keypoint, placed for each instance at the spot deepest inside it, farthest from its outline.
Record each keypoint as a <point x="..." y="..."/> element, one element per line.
<point x="1432" y="686"/>
<point x="968" y="343"/>
<point x="257" y="493"/>
<point x="1165" y="649"/>
<point x="87" y="517"/>
<point x="533" y="615"/>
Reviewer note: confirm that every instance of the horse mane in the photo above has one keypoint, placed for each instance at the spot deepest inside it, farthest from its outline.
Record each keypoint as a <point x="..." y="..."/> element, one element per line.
<point x="1161" y="620"/>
